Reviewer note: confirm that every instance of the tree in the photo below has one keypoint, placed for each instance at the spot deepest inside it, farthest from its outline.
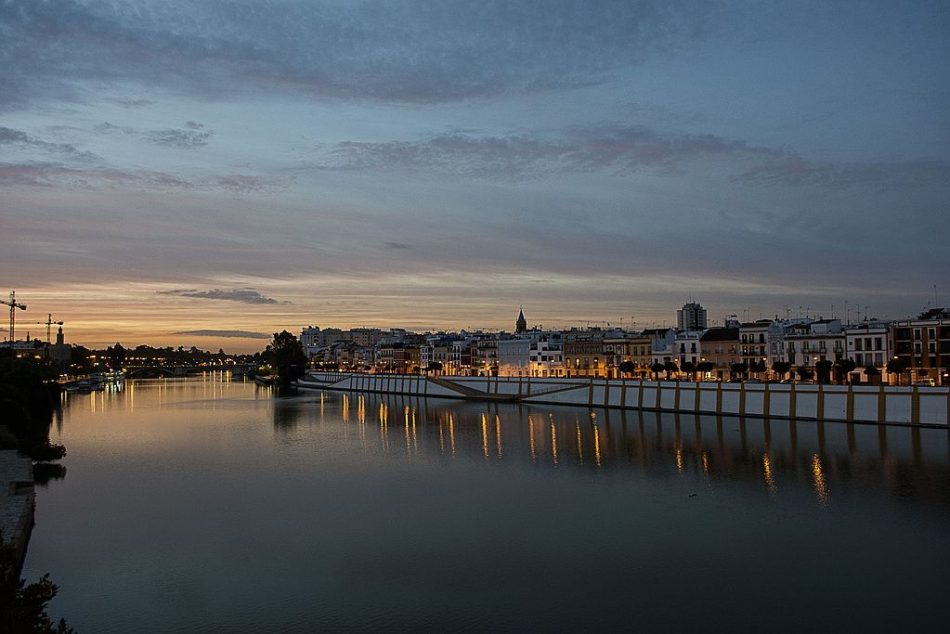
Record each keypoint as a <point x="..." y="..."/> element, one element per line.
<point x="656" y="367"/>
<point x="670" y="367"/>
<point x="690" y="369"/>
<point x="627" y="367"/>
<point x="781" y="368"/>
<point x="704" y="367"/>
<point x="804" y="373"/>
<point x="844" y="368"/>
<point x="823" y="369"/>
<point x="896" y="366"/>
<point x="739" y="370"/>
<point x="434" y="366"/>
<point x="116" y="355"/>
<point x="286" y="355"/>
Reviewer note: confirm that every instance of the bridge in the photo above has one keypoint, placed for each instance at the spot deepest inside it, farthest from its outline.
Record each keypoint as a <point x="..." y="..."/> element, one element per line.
<point x="171" y="371"/>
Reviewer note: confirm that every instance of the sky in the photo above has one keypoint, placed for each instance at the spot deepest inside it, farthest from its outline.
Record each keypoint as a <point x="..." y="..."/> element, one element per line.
<point x="202" y="172"/>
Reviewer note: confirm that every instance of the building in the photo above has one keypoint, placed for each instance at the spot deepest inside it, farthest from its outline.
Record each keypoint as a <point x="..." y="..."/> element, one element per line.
<point x="661" y="344"/>
<point x="808" y="343"/>
<point x="584" y="353"/>
<point x="546" y="355"/>
<point x="686" y="347"/>
<point x="754" y="342"/>
<point x="721" y="347"/>
<point x="314" y="340"/>
<point x="521" y="324"/>
<point x="485" y="355"/>
<point x="629" y="347"/>
<point x="514" y="356"/>
<point x="923" y="345"/>
<point x="60" y="352"/>
<point x="868" y="345"/>
<point x="691" y="316"/>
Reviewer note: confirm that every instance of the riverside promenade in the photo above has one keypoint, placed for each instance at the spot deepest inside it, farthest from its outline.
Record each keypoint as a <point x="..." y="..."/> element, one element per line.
<point x="17" y="502"/>
<point x="924" y="406"/>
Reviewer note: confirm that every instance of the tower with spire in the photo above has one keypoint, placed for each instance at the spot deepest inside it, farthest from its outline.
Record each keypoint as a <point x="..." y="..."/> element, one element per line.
<point x="522" y="324"/>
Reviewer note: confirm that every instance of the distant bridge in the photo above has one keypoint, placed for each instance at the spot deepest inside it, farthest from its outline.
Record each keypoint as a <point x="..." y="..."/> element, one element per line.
<point x="151" y="371"/>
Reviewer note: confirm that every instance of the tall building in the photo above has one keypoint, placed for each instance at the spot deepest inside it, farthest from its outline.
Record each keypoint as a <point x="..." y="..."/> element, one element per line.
<point x="522" y="324"/>
<point x="691" y="316"/>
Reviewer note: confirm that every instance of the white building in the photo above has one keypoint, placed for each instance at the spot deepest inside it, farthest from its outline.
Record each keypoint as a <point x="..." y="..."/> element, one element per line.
<point x="808" y="343"/>
<point x="690" y="317"/>
<point x="686" y="347"/>
<point x="868" y="344"/>
<point x="661" y="343"/>
<point x="514" y="356"/>
<point x="546" y="355"/>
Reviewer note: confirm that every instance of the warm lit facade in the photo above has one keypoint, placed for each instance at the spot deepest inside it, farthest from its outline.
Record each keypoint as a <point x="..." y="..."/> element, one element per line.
<point x="584" y="353"/>
<point x="923" y="344"/>
<point x="720" y="346"/>
<point x="632" y="347"/>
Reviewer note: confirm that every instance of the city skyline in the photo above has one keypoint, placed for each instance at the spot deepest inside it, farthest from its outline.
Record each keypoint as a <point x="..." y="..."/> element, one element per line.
<point x="259" y="166"/>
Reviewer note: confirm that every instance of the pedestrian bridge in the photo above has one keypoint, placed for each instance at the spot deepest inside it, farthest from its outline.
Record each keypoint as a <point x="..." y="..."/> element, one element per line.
<point x="915" y="405"/>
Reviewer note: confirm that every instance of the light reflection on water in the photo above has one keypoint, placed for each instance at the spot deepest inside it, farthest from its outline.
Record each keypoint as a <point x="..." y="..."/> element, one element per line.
<point x="211" y="504"/>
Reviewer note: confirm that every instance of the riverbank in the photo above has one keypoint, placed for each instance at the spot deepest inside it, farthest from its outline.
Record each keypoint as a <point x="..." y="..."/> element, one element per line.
<point x="924" y="406"/>
<point x="17" y="503"/>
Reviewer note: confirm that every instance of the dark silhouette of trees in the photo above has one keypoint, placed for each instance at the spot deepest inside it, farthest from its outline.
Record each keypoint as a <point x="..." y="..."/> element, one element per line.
<point x="823" y="370"/>
<point x="781" y="368"/>
<point x="285" y="354"/>
<point x="690" y="369"/>
<point x="804" y="373"/>
<point x="843" y="368"/>
<point x="670" y="367"/>
<point x="896" y="366"/>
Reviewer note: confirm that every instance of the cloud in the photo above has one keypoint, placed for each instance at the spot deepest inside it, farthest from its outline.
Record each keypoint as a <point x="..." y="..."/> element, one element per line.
<point x="798" y="171"/>
<point x="618" y="149"/>
<point x="398" y="245"/>
<point x="237" y="334"/>
<point x="9" y="136"/>
<point x="621" y="151"/>
<point x="191" y="136"/>
<point x="185" y="139"/>
<point x="412" y="51"/>
<point x="244" y="296"/>
<point x="126" y="102"/>
<point x="62" y="175"/>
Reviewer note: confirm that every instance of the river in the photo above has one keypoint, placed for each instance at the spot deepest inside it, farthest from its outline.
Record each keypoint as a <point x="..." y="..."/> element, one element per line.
<point x="208" y="504"/>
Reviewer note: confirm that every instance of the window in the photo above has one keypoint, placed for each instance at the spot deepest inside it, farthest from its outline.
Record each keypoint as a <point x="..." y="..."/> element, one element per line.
<point x="859" y="359"/>
<point x="858" y="344"/>
<point x="916" y="334"/>
<point x="932" y="347"/>
<point x="931" y="333"/>
<point x="877" y="343"/>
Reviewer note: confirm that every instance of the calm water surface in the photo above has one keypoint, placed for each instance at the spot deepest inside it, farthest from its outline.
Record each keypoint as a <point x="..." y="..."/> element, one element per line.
<point x="206" y="505"/>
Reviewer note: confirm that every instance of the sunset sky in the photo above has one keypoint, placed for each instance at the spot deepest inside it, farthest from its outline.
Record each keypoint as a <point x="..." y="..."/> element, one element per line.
<point x="193" y="172"/>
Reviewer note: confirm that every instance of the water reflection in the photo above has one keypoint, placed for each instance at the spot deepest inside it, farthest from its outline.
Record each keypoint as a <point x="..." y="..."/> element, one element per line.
<point x="397" y="513"/>
<point x="779" y="457"/>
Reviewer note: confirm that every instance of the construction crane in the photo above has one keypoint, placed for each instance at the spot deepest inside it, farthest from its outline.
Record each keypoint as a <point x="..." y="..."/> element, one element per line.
<point x="13" y="304"/>
<point x="48" y="323"/>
